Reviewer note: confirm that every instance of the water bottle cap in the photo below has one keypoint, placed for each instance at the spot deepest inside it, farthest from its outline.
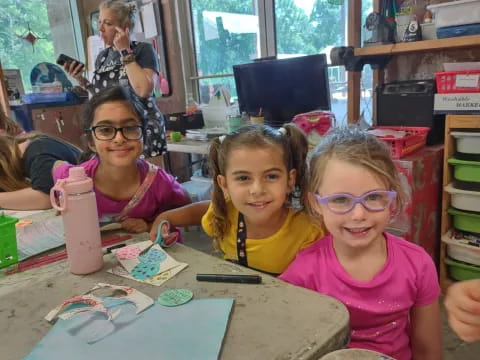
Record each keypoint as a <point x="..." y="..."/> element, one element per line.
<point x="78" y="182"/>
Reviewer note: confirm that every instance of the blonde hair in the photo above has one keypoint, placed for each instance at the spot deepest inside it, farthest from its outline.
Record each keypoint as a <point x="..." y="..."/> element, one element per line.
<point x="289" y="139"/>
<point x="8" y="125"/>
<point x="125" y="13"/>
<point x="360" y="148"/>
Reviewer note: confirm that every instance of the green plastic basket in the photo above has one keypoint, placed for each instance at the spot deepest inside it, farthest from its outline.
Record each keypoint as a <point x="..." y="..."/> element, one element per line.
<point x="462" y="271"/>
<point x="8" y="241"/>
<point x="465" y="170"/>
<point x="465" y="220"/>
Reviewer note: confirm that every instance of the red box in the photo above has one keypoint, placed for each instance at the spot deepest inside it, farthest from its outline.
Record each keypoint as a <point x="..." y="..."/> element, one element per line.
<point x="415" y="138"/>
<point x="420" y="220"/>
<point x="447" y="82"/>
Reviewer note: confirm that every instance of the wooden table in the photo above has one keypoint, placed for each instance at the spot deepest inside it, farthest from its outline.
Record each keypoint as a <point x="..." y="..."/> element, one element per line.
<point x="273" y="320"/>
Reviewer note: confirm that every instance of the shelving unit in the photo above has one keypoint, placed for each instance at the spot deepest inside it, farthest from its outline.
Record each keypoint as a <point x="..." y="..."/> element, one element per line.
<point x="452" y="122"/>
<point x="420" y="46"/>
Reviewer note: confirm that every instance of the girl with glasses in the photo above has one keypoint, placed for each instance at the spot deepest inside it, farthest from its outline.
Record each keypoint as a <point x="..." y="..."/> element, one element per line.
<point x="256" y="172"/>
<point x="389" y="285"/>
<point x="128" y="189"/>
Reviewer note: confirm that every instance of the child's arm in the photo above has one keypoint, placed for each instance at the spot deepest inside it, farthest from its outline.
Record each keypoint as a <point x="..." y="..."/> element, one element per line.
<point x="187" y="215"/>
<point x="25" y="199"/>
<point x="463" y="307"/>
<point x="426" y="337"/>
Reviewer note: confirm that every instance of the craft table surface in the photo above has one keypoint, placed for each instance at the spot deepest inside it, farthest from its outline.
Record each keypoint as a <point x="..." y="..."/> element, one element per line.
<point x="189" y="146"/>
<point x="272" y="320"/>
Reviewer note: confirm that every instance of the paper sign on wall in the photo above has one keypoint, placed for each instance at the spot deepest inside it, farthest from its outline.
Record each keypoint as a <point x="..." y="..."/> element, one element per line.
<point x="149" y="23"/>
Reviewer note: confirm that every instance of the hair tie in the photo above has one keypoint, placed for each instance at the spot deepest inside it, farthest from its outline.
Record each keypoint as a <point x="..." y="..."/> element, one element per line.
<point x="222" y="138"/>
<point x="282" y="131"/>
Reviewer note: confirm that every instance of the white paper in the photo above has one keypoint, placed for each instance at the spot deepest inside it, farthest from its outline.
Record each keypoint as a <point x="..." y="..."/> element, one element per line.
<point x="149" y="23"/>
<point x="467" y="80"/>
<point x="94" y="46"/>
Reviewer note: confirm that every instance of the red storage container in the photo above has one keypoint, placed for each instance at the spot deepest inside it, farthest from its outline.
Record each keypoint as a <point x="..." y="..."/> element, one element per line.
<point x="447" y="82"/>
<point x="415" y="138"/>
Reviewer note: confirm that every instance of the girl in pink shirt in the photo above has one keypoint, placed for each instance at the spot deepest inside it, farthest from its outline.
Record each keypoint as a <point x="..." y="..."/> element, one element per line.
<point x="389" y="286"/>
<point x="128" y="190"/>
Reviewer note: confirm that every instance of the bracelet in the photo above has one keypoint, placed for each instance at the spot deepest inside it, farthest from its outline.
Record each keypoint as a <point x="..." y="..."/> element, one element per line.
<point x="127" y="59"/>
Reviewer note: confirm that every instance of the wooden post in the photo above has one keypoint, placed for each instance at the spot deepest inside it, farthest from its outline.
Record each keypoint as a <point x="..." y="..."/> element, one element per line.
<point x="354" y="39"/>
<point x="378" y="76"/>
<point x="4" y="104"/>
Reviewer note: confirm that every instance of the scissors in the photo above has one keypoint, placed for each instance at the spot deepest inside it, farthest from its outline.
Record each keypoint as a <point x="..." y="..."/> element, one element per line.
<point x="164" y="242"/>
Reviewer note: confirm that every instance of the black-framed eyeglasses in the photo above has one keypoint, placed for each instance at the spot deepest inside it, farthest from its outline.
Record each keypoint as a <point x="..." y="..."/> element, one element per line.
<point x="342" y="203"/>
<point x="107" y="132"/>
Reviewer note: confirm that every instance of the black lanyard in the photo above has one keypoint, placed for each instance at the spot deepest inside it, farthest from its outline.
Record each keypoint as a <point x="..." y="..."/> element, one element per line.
<point x="242" y="241"/>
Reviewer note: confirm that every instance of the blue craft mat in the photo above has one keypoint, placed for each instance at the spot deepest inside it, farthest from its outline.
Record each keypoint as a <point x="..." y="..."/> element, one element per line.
<point x="190" y="331"/>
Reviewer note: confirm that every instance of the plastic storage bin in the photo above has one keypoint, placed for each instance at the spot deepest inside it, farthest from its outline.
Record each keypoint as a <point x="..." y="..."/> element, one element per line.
<point x="215" y="116"/>
<point x="465" y="221"/>
<point x="466" y="174"/>
<point x="456" y="13"/>
<point x="34" y="98"/>
<point x="415" y="139"/>
<point x="459" y="30"/>
<point x="464" y="199"/>
<point x="450" y="81"/>
<point x="461" y="271"/>
<point x="8" y="241"/>
<point x="461" y="252"/>
<point x="467" y="142"/>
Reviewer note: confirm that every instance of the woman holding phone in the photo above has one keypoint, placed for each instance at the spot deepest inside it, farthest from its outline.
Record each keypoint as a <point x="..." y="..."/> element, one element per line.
<point x="133" y="65"/>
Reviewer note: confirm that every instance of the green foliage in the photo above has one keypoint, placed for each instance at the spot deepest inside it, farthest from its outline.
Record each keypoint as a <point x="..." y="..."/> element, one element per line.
<point x="15" y="53"/>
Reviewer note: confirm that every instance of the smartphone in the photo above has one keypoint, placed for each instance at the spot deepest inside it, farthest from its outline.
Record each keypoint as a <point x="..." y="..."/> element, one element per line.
<point x="65" y="59"/>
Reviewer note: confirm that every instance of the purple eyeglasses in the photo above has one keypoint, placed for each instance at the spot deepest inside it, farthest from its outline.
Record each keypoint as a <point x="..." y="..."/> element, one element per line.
<point x="342" y="203"/>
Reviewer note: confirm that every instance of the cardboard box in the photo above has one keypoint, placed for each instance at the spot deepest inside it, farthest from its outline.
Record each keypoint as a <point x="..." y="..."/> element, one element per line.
<point x="457" y="103"/>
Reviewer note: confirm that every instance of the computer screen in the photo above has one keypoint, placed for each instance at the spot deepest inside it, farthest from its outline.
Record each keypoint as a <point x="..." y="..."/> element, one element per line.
<point x="281" y="89"/>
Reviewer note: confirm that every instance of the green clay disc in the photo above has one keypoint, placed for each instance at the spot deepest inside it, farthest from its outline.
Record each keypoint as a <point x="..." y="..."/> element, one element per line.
<point x="175" y="297"/>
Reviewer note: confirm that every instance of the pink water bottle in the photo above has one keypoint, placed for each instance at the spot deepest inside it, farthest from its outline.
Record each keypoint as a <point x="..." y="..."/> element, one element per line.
<point x="75" y="198"/>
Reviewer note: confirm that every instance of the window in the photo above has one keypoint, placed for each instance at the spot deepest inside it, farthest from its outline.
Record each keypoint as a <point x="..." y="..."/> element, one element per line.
<point x="230" y="32"/>
<point x="48" y="23"/>
<point x="226" y="32"/>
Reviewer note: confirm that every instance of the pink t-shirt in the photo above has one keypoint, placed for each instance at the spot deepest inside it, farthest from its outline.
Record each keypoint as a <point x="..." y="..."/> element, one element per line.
<point x="164" y="193"/>
<point x="379" y="309"/>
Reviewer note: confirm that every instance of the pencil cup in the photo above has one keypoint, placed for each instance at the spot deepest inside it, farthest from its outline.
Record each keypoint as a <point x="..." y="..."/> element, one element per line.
<point x="8" y="241"/>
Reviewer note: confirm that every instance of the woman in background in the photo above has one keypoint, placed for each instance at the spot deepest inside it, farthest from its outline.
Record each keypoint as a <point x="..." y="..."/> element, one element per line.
<point x="133" y="65"/>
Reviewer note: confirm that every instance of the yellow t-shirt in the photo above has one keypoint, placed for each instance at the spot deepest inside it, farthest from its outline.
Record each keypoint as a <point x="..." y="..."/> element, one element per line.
<point x="272" y="254"/>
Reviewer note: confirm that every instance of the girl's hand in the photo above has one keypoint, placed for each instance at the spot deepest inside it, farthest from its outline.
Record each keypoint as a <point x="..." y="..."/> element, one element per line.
<point x="165" y="228"/>
<point x="121" y="40"/>
<point x="463" y="306"/>
<point x="135" y="225"/>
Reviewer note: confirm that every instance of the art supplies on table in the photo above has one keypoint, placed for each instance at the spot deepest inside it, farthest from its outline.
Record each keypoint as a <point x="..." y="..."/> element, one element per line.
<point x="160" y="332"/>
<point x="154" y="266"/>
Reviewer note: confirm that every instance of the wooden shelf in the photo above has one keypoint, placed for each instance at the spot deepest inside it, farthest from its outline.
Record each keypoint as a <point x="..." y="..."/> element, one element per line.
<point x="419" y="46"/>
<point x="453" y="122"/>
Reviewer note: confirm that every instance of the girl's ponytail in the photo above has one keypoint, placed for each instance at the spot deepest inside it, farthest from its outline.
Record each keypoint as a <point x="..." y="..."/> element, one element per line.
<point x="220" y="216"/>
<point x="298" y="148"/>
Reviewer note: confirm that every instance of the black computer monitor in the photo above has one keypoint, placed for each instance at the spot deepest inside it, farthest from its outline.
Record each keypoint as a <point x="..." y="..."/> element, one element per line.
<point x="283" y="88"/>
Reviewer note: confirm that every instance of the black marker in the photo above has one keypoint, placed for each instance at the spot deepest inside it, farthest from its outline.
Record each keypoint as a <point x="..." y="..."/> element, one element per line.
<point x="243" y="279"/>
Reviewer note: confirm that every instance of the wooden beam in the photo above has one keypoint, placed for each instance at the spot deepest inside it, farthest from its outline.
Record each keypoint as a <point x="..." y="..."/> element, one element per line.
<point x="378" y="76"/>
<point x="4" y="103"/>
<point x="354" y="39"/>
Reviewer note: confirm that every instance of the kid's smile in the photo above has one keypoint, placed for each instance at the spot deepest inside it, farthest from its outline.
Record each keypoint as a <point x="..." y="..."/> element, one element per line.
<point x="259" y="204"/>
<point x="358" y="231"/>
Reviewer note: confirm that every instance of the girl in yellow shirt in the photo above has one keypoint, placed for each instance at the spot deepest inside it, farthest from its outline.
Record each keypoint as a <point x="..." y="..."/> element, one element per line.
<point x="256" y="172"/>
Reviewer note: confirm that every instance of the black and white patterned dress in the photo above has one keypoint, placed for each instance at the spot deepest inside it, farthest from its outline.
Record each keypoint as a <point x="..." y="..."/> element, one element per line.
<point x="109" y="71"/>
